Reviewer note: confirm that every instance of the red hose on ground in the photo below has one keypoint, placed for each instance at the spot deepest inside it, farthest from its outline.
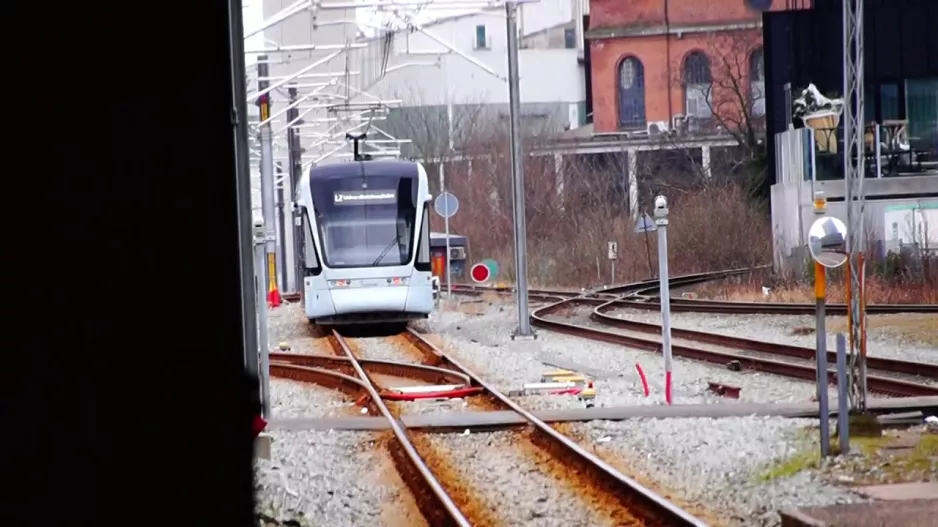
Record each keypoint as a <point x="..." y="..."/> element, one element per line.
<point x="449" y="394"/>
<point x="567" y="391"/>
<point x="641" y="374"/>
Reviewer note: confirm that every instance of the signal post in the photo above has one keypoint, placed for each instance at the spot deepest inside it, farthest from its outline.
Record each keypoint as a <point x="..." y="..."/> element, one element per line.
<point x="267" y="183"/>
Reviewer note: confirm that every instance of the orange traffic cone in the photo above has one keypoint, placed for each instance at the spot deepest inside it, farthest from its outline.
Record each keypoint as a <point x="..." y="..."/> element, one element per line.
<point x="273" y="297"/>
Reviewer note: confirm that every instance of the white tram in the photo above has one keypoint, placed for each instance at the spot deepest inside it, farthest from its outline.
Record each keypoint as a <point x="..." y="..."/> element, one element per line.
<point x="366" y="243"/>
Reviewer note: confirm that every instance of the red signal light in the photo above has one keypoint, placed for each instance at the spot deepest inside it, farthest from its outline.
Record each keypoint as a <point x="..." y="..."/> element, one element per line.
<point x="480" y="273"/>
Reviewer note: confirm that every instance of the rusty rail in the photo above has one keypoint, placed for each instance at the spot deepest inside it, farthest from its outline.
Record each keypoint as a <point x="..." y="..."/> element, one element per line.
<point x="637" y="295"/>
<point x="652" y="343"/>
<point x="319" y="376"/>
<point x="638" y="500"/>
<point x="643" y="295"/>
<point x="429" y="374"/>
<point x="432" y="499"/>
<point x="602" y="314"/>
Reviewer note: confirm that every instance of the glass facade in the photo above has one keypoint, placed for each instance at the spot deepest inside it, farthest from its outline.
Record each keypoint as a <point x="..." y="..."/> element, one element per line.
<point x="914" y="101"/>
<point x="922" y="111"/>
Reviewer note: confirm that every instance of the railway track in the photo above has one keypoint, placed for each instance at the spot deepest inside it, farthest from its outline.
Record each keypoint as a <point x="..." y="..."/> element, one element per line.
<point x="354" y="375"/>
<point x="643" y="295"/>
<point x="886" y="376"/>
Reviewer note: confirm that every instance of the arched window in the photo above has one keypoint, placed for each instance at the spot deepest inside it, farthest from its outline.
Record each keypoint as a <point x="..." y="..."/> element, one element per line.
<point x="698" y="86"/>
<point x="757" y="81"/>
<point x="631" y="87"/>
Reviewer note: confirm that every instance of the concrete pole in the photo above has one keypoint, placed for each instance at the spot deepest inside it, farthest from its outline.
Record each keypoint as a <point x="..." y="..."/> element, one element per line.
<point x="524" y="329"/>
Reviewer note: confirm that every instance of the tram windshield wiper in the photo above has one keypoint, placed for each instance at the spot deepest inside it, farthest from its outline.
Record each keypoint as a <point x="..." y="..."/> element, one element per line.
<point x="395" y="241"/>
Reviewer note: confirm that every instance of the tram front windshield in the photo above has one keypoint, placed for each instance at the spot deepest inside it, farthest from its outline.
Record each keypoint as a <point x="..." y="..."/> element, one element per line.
<point x="366" y="221"/>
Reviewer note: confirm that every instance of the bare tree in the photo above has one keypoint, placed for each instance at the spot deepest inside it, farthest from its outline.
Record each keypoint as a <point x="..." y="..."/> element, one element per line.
<point x="724" y="91"/>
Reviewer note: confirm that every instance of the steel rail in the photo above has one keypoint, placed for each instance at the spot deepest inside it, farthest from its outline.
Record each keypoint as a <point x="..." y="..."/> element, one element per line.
<point x="642" y="295"/>
<point x="652" y="507"/>
<point x="446" y="511"/>
<point x="430" y="374"/>
<point x="322" y="377"/>
<point x="601" y="314"/>
<point x="646" y="298"/>
<point x="875" y="383"/>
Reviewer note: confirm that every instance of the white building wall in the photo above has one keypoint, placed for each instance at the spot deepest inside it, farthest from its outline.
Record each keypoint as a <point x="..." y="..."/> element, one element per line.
<point x="544" y="14"/>
<point x="547" y="75"/>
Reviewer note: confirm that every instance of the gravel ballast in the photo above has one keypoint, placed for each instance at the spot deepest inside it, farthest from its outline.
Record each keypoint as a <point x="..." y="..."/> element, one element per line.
<point x="723" y="465"/>
<point x="291" y="399"/>
<point x="383" y="348"/>
<point x="330" y="478"/>
<point x="512" y="482"/>
<point x="484" y="343"/>
<point x="288" y="323"/>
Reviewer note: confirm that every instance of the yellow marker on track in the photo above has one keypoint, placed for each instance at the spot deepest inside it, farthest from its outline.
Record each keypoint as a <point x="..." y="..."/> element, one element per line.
<point x="546" y="377"/>
<point x="578" y="379"/>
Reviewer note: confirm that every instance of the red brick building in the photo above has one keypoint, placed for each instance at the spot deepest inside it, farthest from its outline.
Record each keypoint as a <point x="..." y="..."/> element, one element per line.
<point x="652" y="60"/>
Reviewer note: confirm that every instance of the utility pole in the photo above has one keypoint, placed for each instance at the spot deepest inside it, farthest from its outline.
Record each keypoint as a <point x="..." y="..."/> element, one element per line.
<point x="296" y="171"/>
<point x="854" y="172"/>
<point x="267" y="181"/>
<point x="281" y="226"/>
<point x="517" y="172"/>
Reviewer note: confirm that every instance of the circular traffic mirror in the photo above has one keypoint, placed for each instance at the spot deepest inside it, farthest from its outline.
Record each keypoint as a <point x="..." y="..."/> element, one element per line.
<point x="827" y="241"/>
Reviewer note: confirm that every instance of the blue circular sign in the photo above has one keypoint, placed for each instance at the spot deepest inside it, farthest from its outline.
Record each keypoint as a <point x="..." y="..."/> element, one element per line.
<point x="446" y="205"/>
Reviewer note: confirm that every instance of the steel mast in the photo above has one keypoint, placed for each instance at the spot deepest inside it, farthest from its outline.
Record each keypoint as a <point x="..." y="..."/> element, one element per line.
<point x="854" y="173"/>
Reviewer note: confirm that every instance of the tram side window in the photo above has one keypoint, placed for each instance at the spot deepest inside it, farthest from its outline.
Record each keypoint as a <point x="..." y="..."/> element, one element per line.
<point x="423" y="245"/>
<point x="311" y="261"/>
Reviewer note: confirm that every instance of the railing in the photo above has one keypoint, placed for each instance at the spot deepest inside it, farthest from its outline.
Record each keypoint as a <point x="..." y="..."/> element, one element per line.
<point x="806" y="151"/>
